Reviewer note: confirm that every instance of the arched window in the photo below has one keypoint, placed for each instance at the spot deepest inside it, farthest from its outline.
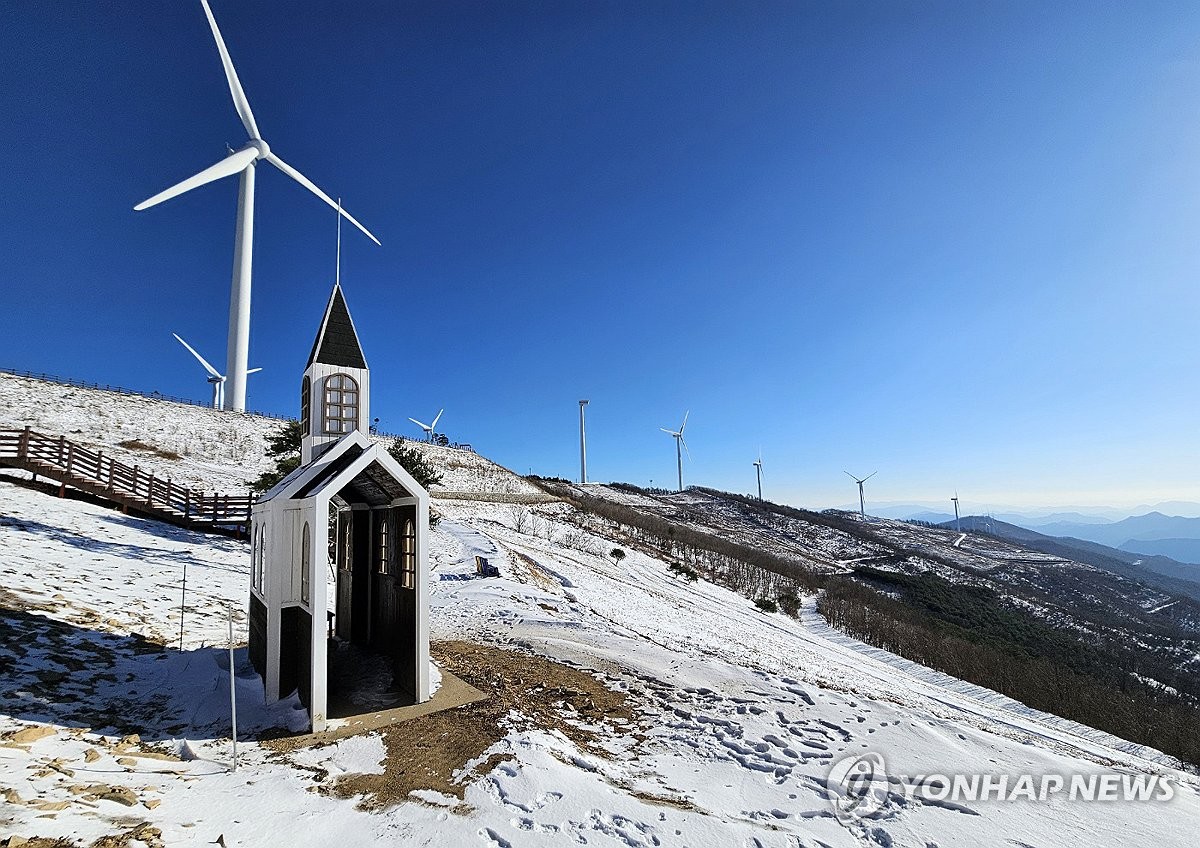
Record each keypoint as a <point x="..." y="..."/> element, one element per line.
<point x="306" y="406"/>
<point x="260" y="557"/>
<point x="384" y="554"/>
<point x="408" y="555"/>
<point x="256" y="560"/>
<point x="341" y="403"/>
<point x="305" y="561"/>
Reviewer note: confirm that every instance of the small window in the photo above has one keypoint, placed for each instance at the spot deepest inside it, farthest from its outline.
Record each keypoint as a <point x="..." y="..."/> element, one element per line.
<point x="256" y="560"/>
<point x="341" y="404"/>
<point x="306" y="407"/>
<point x="262" y="556"/>
<point x="305" y="560"/>
<point x="384" y="553"/>
<point x="408" y="556"/>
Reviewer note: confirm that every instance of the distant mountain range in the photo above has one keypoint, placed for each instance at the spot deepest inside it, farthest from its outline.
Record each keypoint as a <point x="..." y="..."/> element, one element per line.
<point x="1031" y="517"/>
<point x="1150" y="534"/>
<point x="1157" y="570"/>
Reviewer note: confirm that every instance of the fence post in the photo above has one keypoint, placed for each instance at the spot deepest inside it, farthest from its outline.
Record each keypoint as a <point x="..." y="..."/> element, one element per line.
<point x="70" y="456"/>
<point x="187" y="503"/>
<point x="111" y="464"/>
<point x="61" y="441"/>
<point x="23" y="444"/>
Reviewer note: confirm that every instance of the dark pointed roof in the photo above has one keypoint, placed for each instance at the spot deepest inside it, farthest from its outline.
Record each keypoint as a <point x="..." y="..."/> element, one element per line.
<point x="337" y="342"/>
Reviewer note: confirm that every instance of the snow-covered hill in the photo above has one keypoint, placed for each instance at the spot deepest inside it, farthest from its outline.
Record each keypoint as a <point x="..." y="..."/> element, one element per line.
<point x="204" y="448"/>
<point x="741" y="715"/>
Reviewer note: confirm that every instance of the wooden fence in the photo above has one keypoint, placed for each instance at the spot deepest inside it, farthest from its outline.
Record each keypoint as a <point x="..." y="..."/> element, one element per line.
<point x="131" y="486"/>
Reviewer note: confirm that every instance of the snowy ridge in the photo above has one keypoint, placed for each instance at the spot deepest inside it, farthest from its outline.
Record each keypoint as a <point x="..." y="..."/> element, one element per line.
<point x="216" y="450"/>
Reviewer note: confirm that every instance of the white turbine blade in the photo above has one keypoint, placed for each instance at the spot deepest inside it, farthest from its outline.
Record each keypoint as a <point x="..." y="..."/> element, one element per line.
<point x="227" y="167"/>
<point x="311" y="186"/>
<point x="869" y="476"/>
<point x="684" y="443"/>
<point x="253" y="370"/>
<point x="668" y="432"/>
<point x="192" y="350"/>
<point x="240" y="103"/>
<point x="419" y="424"/>
<point x="684" y="424"/>
<point x="851" y="476"/>
<point x="435" y="420"/>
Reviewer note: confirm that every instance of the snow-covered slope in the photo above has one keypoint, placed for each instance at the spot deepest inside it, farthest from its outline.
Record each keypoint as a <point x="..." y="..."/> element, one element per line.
<point x="743" y="714"/>
<point x="196" y="446"/>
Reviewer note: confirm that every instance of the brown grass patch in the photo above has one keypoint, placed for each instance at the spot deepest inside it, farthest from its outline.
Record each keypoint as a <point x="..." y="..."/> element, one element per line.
<point x="142" y="833"/>
<point x="428" y="752"/>
<point x="139" y="445"/>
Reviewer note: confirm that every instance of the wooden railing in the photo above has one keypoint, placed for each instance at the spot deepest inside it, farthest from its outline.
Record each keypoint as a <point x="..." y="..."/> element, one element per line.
<point x="133" y="487"/>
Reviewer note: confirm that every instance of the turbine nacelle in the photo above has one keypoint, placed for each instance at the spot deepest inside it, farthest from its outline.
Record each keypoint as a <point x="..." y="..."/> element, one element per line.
<point x="428" y="428"/>
<point x="215" y="378"/>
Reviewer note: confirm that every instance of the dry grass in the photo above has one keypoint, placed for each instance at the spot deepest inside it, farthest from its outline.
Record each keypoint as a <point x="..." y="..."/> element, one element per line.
<point x="141" y="834"/>
<point x="138" y="445"/>
<point x="431" y="752"/>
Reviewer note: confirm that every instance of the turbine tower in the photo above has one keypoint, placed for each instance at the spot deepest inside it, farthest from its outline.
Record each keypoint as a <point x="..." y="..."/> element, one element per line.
<point x="862" y="501"/>
<point x="582" y="445"/>
<point x="758" y="473"/>
<point x="242" y="162"/>
<point x="680" y="445"/>
<point x="216" y="379"/>
<point x="957" y="528"/>
<point x="428" y="428"/>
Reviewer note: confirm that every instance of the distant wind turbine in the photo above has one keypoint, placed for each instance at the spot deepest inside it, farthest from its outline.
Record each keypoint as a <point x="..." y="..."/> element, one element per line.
<point x="242" y="162"/>
<point x="428" y="428"/>
<point x="216" y="379"/>
<point x="758" y="472"/>
<point x="957" y="528"/>
<point x="680" y="445"/>
<point x="862" y="501"/>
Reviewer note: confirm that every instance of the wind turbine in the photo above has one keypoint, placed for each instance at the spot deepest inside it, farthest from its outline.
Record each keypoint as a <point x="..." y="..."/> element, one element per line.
<point x="680" y="445"/>
<point x="428" y="428"/>
<point x="957" y="528"/>
<point x="758" y="472"/>
<point x="216" y="379"/>
<point x="862" y="502"/>
<point x="242" y="162"/>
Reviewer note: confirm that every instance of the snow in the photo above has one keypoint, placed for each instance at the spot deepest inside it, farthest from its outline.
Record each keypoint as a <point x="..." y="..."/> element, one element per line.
<point x="220" y="451"/>
<point x="354" y="755"/>
<point x="743" y="713"/>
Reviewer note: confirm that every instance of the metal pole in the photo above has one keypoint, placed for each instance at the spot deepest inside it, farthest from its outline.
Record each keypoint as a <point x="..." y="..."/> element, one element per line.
<point x="232" y="691"/>
<point x="582" y="445"/>
<point x="862" y="502"/>
<point x="679" y="459"/>
<point x="182" y="598"/>
<point x="758" y="474"/>
<point x="957" y="528"/>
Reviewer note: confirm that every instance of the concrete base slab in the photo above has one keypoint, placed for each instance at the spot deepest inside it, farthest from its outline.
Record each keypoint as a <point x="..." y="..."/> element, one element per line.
<point x="454" y="692"/>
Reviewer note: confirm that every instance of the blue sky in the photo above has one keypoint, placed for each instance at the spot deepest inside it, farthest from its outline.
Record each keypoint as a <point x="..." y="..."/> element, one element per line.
<point x="952" y="242"/>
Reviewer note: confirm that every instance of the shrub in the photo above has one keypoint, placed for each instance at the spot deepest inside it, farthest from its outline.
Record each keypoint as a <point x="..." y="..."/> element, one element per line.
<point x="415" y="463"/>
<point x="766" y="605"/>
<point x="682" y="571"/>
